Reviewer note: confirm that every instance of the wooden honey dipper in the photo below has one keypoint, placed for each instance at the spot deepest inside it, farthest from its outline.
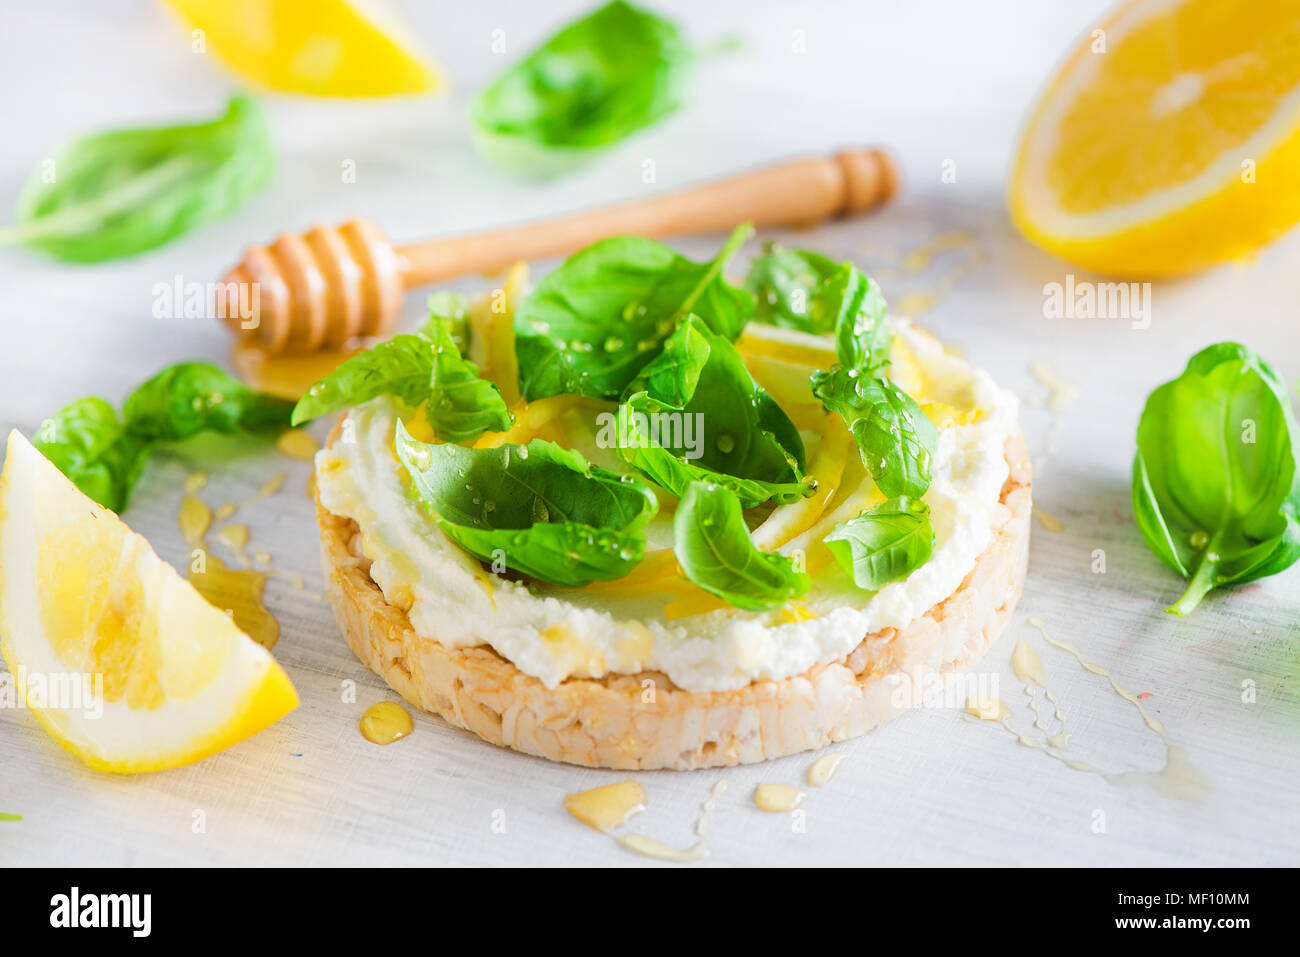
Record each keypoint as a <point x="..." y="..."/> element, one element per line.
<point x="330" y="285"/>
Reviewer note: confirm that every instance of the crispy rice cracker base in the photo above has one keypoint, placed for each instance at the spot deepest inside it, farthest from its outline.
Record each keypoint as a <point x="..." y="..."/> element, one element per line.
<point x="613" y="722"/>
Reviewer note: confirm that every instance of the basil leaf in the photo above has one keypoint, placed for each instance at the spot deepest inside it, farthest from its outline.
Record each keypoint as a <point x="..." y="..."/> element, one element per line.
<point x="592" y="324"/>
<point x="86" y="442"/>
<point x="596" y="81"/>
<point x="426" y="368"/>
<point x="462" y="405"/>
<point x="862" y="335"/>
<point x="698" y="415"/>
<point x="451" y="310"/>
<point x="714" y="549"/>
<point x="192" y="397"/>
<point x="895" y="439"/>
<point x="884" y="543"/>
<point x="10" y="817"/>
<point x="804" y="290"/>
<point x="544" y="510"/>
<point x="104" y="456"/>
<point x="1216" y="492"/>
<point x="121" y="192"/>
<point x="401" y="366"/>
<point x="784" y="284"/>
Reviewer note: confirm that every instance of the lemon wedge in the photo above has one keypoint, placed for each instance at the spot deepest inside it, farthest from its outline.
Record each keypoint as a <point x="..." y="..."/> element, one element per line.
<point x="317" y="47"/>
<point x="117" y="656"/>
<point x="1168" y="141"/>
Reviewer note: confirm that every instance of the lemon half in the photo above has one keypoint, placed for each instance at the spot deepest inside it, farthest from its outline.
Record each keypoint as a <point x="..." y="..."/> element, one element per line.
<point x="117" y="656"/>
<point x="1169" y="140"/>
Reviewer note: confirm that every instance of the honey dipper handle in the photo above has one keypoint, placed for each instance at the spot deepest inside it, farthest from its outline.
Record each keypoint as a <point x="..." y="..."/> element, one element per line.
<point x="798" y="193"/>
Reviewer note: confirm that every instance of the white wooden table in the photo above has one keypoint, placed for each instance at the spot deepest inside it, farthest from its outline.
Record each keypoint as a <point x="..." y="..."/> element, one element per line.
<point x="937" y="82"/>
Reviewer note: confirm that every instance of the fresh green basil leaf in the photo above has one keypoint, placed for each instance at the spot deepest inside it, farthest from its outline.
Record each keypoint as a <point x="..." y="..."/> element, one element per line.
<point x="401" y="366"/>
<point x="804" y="290"/>
<point x="592" y="324"/>
<point x="449" y="310"/>
<point x="121" y="192"/>
<point x="462" y="405"/>
<point x="426" y="368"/>
<point x="86" y="442"/>
<point x="542" y="510"/>
<point x="896" y="440"/>
<point x="855" y="308"/>
<point x="785" y="283"/>
<point x="1216" y="491"/>
<point x="884" y="543"/>
<point x="192" y="397"/>
<point x="715" y="551"/>
<point x="711" y="422"/>
<point x="598" y="80"/>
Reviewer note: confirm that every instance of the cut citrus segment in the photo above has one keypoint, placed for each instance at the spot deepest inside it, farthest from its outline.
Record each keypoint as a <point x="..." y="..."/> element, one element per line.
<point x="1168" y="141"/>
<point x="121" y="660"/>
<point x="318" y="47"/>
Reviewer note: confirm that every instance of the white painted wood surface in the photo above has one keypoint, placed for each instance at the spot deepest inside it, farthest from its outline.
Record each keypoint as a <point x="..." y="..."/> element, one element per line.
<point x="936" y="81"/>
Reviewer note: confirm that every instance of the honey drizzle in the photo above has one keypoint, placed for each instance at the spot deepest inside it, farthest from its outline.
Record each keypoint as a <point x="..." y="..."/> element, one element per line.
<point x="238" y="592"/>
<point x="386" y="722"/>
<point x="1177" y="778"/>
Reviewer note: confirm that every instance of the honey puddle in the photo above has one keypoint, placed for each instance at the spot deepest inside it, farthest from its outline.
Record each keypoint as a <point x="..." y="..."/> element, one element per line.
<point x="297" y="444"/>
<point x="777" y="798"/>
<point x="823" y="769"/>
<point x="288" y="377"/>
<point x="239" y="593"/>
<point x="608" y="807"/>
<point x="1178" y="778"/>
<point x="386" y="722"/>
<point x="611" y="806"/>
<point x="195" y="519"/>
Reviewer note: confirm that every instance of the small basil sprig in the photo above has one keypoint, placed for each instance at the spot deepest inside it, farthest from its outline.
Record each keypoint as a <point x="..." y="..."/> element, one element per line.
<point x="104" y="455"/>
<point x="884" y="543"/>
<point x="895" y="439"/>
<point x="862" y="334"/>
<point x="696" y="414"/>
<point x="714" y="548"/>
<point x="542" y="510"/>
<point x="1216" y="490"/>
<point x="785" y="284"/>
<point x="599" y="79"/>
<point x="121" y="192"/>
<point x="804" y="290"/>
<point x="418" y="368"/>
<point x="192" y="397"/>
<point x="593" y="323"/>
<point x="86" y="442"/>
